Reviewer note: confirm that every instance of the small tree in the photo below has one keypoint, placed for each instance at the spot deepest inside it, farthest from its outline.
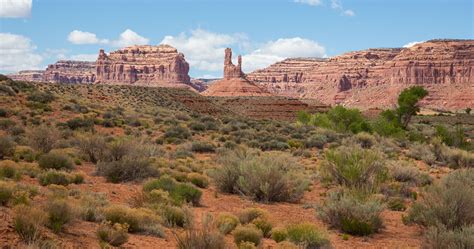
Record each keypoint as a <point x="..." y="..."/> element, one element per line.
<point x="408" y="104"/>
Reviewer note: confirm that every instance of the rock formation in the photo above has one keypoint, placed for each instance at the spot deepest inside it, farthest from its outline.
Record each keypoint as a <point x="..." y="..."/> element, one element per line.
<point x="70" y="72"/>
<point x="374" y="77"/>
<point x="143" y="65"/>
<point x="28" y="75"/>
<point x="234" y="82"/>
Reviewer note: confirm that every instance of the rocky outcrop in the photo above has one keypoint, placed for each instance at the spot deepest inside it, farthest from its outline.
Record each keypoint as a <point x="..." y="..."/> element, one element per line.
<point x="66" y="71"/>
<point x="234" y="82"/>
<point x="143" y="65"/>
<point x="28" y="75"/>
<point x="374" y="77"/>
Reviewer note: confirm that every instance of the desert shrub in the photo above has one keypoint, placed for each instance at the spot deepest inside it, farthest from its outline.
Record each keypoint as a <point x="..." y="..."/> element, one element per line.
<point x="24" y="153"/>
<point x="279" y="234"/>
<point x="80" y="123"/>
<point x="179" y="192"/>
<point x="114" y="235"/>
<point x="94" y="147"/>
<point x="317" y="141"/>
<point x="139" y="220"/>
<point x="176" y="216"/>
<point x="197" y="179"/>
<point x="43" y="138"/>
<point x="247" y="233"/>
<point x="183" y="151"/>
<point x="249" y="214"/>
<point x="226" y="222"/>
<point x="396" y="204"/>
<point x="457" y="158"/>
<point x="6" y="123"/>
<point x="41" y="97"/>
<point x="6" y="192"/>
<point x="203" y="237"/>
<point x="267" y="178"/>
<point x="454" y="137"/>
<point x="9" y="169"/>
<point x="307" y="235"/>
<point x="264" y="225"/>
<point x="202" y="147"/>
<point x="404" y="171"/>
<point x="54" y="160"/>
<point x="7" y="147"/>
<point x="365" y="140"/>
<point x="446" y="204"/>
<point x="177" y="132"/>
<point x="286" y="245"/>
<point x="54" y="177"/>
<point x="441" y="238"/>
<point x="421" y="152"/>
<point x="185" y="193"/>
<point x="352" y="215"/>
<point x="128" y="169"/>
<point x="354" y="167"/>
<point x="28" y="222"/>
<point x="197" y="126"/>
<point x="90" y="206"/>
<point x="59" y="213"/>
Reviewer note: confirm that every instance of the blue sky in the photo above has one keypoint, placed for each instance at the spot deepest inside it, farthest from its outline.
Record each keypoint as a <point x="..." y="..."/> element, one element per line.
<point x="34" y="34"/>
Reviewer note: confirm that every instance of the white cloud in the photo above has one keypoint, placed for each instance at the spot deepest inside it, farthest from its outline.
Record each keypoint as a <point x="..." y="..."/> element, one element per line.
<point x="82" y="37"/>
<point x="83" y="57"/>
<point x="309" y="2"/>
<point x="126" y="38"/>
<point x="411" y="44"/>
<point x="129" y="38"/>
<point x="337" y="5"/>
<point x="348" y="13"/>
<point x="18" y="53"/>
<point x="15" y="8"/>
<point x="281" y="49"/>
<point x="204" y="50"/>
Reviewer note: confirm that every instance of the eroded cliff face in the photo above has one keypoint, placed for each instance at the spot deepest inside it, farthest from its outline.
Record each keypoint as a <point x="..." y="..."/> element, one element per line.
<point x="374" y="77"/>
<point x="66" y="71"/>
<point x="143" y="65"/>
<point x="28" y="75"/>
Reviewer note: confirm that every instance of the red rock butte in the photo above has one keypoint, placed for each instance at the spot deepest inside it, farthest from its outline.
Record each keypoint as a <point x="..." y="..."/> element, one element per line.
<point x="234" y="82"/>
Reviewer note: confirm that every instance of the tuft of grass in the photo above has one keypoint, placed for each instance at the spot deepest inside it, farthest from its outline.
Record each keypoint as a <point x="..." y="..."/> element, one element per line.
<point x="307" y="235"/>
<point x="114" y="235"/>
<point x="206" y="236"/>
<point x="227" y="222"/>
<point x="53" y="160"/>
<point x="28" y="222"/>
<point x="247" y="233"/>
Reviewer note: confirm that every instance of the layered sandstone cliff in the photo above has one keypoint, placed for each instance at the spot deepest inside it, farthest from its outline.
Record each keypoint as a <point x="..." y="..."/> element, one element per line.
<point x="67" y="71"/>
<point x="374" y="77"/>
<point x="28" y="75"/>
<point x="143" y="65"/>
<point x="234" y="82"/>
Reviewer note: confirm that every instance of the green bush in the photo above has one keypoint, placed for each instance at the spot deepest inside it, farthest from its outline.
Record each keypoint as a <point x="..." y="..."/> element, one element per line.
<point x="264" y="225"/>
<point x="41" y="97"/>
<point x="139" y="220"/>
<point x="354" y="167"/>
<point x="352" y="215"/>
<point x="202" y="147"/>
<point x="114" y="235"/>
<point x="9" y="169"/>
<point x="317" y="141"/>
<point x="365" y="140"/>
<point x="266" y="178"/>
<point x="164" y="182"/>
<point x="7" y="147"/>
<point x="54" y="160"/>
<point x="247" y="233"/>
<point x="307" y="235"/>
<point x="176" y="216"/>
<point x="80" y="123"/>
<point x="197" y="179"/>
<point x="441" y="238"/>
<point x="59" y="213"/>
<point x="6" y="193"/>
<point x="54" y="177"/>
<point x="279" y="234"/>
<point x="226" y="222"/>
<point x="446" y="204"/>
<point x="127" y="169"/>
<point x="177" y="132"/>
<point x="94" y="147"/>
<point x="185" y="193"/>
